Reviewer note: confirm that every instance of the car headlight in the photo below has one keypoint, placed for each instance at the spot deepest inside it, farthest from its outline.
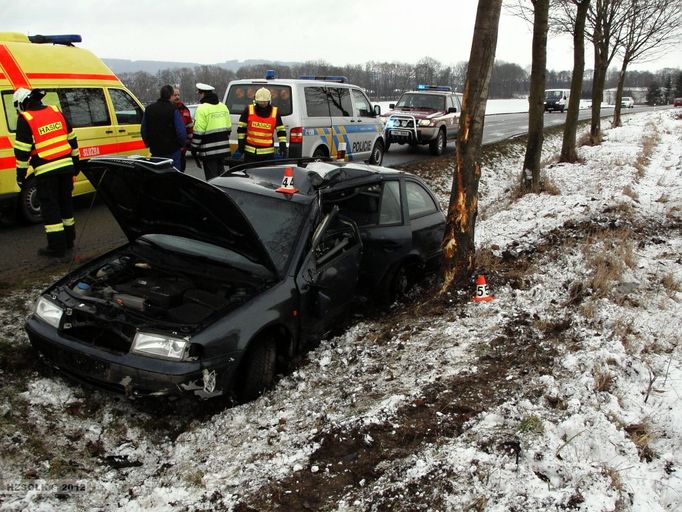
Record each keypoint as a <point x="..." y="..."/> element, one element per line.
<point x="424" y="122"/>
<point x="158" y="345"/>
<point x="48" y="312"/>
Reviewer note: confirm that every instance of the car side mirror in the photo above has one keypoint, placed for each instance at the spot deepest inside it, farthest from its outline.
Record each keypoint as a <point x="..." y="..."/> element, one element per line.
<point x="452" y="110"/>
<point x="391" y="105"/>
<point x="377" y="110"/>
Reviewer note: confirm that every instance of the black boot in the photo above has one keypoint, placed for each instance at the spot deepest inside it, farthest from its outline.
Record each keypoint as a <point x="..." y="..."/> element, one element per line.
<point x="56" y="245"/>
<point x="70" y="235"/>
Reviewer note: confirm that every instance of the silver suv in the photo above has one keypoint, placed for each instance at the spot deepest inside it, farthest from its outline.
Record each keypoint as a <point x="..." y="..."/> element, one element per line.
<point x="427" y="115"/>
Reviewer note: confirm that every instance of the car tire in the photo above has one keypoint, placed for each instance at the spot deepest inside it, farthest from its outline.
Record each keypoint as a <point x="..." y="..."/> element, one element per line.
<point x="396" y="284"/>
<point x="29" y="205"/>
<point x="320" y="152"/>
<point x="257" y="371"/>
<point x="377" y="155"/>
<point x="438" y="146"/>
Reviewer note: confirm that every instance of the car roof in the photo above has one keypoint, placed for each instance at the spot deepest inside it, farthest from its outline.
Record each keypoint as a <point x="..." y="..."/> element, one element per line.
<point x="291" y="81"/>
<point x="309" y="177"/>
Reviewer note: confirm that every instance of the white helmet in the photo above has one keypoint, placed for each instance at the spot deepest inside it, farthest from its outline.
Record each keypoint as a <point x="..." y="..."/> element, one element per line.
<point x="263" y="94"/>
<point x="20" y="97"/>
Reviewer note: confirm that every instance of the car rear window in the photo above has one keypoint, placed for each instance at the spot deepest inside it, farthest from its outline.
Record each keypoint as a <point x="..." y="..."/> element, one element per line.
<point x="241" y="95"/>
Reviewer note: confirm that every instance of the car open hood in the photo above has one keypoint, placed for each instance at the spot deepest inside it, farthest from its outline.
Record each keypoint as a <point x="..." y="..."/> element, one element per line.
<point x="151" y="196"/>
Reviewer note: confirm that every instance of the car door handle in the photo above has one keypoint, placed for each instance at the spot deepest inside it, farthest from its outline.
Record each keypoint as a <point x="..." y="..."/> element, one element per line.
<point x="108" y="131"/>
<point x="122" y="131"/>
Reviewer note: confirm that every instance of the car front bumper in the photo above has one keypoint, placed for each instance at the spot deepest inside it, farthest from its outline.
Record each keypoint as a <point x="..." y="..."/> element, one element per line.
<point x="421" y="135"/>
<point x="131" y="374"/>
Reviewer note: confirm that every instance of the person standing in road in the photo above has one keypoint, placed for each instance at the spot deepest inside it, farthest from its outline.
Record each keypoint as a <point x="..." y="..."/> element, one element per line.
<point x="211" y="135"/>
<point x="46" y="142"/>
<point x="186" y="117"/>
<point x="257" y="124"/>
<point x="162" y="128"/>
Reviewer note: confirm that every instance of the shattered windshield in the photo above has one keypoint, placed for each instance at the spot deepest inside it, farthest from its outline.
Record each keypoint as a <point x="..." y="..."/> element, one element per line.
<point x="277" y="222"/>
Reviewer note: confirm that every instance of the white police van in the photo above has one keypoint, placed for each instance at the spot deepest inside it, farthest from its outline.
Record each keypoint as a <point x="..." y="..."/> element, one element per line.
<point x="319" y="114"/>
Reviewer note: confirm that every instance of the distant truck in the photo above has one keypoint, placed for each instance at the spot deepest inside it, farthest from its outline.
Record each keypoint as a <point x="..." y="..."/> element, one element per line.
<point x="556" y="99"/>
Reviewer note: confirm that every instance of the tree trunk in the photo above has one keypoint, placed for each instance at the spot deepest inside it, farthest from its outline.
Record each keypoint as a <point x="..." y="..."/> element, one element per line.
<point x="600" y="65"/>
<point x="619" y="93"/>
<point x="458" y="241"/>
<point x="536" y="105"/>
<point x="568" y="148"/>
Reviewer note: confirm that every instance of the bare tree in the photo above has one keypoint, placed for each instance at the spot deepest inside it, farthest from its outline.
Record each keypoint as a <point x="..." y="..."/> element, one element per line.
<point x="653" y="26"/>
<point x="458" y="242"/>
<point x="607" y="21"/>
<point x="568" y="146"/>
<point x="536" y="100"/>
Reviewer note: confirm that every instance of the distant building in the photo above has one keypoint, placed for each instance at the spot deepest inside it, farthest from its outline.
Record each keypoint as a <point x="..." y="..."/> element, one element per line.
<point x="637" y="93"/>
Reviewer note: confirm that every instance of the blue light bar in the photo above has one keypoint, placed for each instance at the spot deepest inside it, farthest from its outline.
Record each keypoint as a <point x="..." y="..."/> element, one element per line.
<point x="66" y="39"/>
<point x="329" y="78"/>
<point x="270" y="74"/>
<point x="424" y="87"/>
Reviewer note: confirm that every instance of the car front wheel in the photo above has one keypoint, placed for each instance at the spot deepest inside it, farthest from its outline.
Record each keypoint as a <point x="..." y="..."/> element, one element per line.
<point x="377" y="156"/>
<point x="257" y="371"/>
<point x="29" y="205"/>
<point x="438" y="146"/>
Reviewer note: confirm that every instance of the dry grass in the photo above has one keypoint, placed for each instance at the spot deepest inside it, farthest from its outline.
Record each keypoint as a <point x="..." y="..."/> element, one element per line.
<point x="607" y="254"/>
<point x="650" y="140"/>
<point x="630" y="193"/>
<point x="641" y="435"/>
<point x="531" y="424"/>
<point x="603" y="380"/>
<point x="671" y="284"/>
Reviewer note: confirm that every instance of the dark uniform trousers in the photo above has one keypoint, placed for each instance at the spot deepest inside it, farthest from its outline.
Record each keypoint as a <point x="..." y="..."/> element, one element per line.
<point x="213" y="166"/>
<point x="56" y="207"/>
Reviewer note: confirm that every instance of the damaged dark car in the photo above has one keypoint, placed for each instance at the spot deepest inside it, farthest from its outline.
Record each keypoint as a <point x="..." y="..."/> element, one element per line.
<point x="222" y="283"/>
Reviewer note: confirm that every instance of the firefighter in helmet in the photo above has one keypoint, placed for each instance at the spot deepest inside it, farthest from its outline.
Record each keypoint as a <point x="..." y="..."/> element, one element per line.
<point x="257" y="125"/>
<point x="46" y="142"/>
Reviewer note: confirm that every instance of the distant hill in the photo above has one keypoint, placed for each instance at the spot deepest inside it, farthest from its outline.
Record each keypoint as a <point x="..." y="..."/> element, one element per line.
<point x="154" y="66"/>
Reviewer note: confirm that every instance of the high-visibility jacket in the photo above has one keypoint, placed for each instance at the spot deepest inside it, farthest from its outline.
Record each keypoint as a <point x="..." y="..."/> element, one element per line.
<point x="51" y="146"/>
<point x="212" y="127"/>
<point x="259" y="129"/>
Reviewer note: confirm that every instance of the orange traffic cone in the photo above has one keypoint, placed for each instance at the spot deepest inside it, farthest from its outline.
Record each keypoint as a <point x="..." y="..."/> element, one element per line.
<point x="288" y="182"/>
<point x="482" y="290"/>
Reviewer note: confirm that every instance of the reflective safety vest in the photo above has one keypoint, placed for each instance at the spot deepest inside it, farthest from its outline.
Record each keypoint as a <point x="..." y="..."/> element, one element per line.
<point x="50" y="136"/>
<point x="259" y="130"/>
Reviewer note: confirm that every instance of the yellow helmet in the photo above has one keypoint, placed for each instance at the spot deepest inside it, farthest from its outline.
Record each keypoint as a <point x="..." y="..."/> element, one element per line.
<point x="263" y="94"/>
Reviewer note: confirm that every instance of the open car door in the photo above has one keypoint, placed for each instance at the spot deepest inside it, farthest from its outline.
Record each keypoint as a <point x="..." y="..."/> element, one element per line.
<point x="329" y="275"/>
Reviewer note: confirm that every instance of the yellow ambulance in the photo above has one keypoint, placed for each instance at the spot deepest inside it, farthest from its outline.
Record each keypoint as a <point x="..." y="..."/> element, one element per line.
<point x="104" y="114"/>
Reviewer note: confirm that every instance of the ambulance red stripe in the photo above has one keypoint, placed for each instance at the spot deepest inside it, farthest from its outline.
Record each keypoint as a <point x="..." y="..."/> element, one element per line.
<point x="71" y="76"/>
<point x="5" y="143"/>
<point x="8" y="163"/>
<point x="12" y="71"/>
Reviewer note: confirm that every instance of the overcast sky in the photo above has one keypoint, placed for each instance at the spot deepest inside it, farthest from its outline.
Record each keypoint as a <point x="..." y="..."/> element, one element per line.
<point x="339" y="32"/>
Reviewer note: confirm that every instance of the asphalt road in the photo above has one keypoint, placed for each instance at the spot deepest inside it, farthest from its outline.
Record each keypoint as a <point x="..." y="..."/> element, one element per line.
<point x="97" y="232"/>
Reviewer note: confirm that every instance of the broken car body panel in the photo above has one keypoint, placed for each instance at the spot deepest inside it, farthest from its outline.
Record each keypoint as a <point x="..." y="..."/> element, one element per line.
<point x="213" y="271"/>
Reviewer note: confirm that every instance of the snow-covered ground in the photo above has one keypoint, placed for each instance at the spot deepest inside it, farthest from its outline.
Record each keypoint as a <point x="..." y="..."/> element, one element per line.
<point x="562" y="393"/>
